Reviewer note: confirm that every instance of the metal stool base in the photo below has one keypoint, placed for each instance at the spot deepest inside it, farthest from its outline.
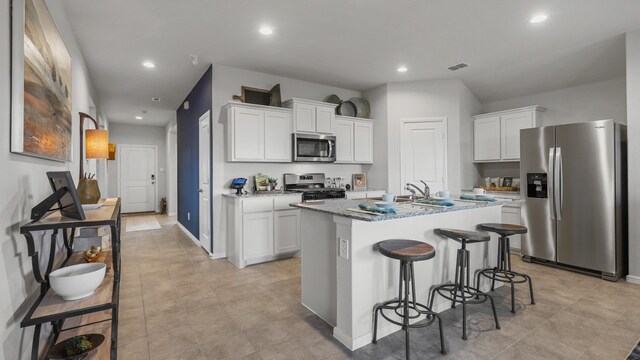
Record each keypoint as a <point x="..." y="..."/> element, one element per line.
<point x="504" y="274"/>
<point x="407" y="309"/>
<point x="461" y="293"/>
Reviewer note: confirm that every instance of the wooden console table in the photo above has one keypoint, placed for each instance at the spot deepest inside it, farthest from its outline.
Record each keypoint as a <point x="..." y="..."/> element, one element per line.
<point x="97" y="313"/>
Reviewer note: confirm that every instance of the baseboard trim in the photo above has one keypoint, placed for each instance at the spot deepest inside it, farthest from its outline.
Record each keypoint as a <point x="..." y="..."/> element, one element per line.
<point x="189" y="234"/>
<point x="633" y="279"/>
<point x="215" y="256"/>
<point x="172" y="214"/>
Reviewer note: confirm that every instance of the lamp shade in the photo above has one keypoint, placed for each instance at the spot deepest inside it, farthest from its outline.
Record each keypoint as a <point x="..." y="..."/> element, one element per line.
<point x="97" y="144"/>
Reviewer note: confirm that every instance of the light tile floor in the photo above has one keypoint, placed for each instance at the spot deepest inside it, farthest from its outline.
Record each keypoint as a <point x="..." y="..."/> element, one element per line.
<point x="176" y="303"/>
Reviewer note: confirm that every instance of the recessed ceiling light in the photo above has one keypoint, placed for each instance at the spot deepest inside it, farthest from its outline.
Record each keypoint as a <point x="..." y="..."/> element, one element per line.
<point x="402" y="69"/>
<point x="148" y="64"/>
<point x="538" y="18"/>
<point x="265" y="30"/>
<point x="138" y="117"/>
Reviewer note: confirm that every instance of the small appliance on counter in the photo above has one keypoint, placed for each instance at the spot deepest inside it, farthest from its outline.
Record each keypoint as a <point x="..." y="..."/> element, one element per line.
<point x="238" y="184"/>
<point x="312" y="187"/>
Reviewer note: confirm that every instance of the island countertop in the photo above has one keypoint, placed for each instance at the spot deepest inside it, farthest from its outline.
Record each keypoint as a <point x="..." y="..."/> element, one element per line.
<point x="340" y="207"/>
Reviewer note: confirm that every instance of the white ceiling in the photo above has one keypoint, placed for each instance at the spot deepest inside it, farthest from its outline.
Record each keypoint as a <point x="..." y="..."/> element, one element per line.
<point x="354" y="44"/>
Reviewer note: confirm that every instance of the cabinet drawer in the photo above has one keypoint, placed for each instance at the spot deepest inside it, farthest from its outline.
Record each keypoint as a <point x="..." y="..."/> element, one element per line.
<point x="282" y="202"/>
<point x="257" y="205"/>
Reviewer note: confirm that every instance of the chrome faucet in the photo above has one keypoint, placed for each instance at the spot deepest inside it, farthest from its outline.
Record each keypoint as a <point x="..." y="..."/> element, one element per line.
<point x="425" y="193"/>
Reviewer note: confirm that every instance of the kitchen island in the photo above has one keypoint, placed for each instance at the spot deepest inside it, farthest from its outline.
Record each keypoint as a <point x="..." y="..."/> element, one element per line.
<point x="344" y="276"/>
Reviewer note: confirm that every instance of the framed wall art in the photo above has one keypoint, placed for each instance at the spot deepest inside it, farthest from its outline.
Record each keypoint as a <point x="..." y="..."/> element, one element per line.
<point x="359" y="181"/>
<point x="40" y="84"/>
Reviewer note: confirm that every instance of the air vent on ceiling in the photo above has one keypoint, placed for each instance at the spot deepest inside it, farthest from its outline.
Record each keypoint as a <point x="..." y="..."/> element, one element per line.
<point x="458" y="66"/>
<point x="155" y="99"/>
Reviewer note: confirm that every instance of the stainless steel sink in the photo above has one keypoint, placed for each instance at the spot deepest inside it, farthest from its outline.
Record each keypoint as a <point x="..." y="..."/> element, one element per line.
<point x="399" y="199"/>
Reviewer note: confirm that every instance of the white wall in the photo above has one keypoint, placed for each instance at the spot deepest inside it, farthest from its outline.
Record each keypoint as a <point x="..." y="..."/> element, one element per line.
<point x="595" y="101"/>
<point x="126" y="134"/>
<point x="24" y="185"/>
<point x="226" y="83"/>
<point x="633" y="128"/>
<point x="469" y="106"/>
<point x="172" y="165"/>
<point x="378" y="174"/>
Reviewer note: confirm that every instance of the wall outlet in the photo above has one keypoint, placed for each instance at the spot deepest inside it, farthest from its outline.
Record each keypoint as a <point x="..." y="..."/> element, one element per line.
<point x="189" y="216"/>
<point x="343" y="249"/>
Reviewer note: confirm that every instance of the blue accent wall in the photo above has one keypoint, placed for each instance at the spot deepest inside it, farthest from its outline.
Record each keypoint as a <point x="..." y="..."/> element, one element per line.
<point x="200" y="101"/>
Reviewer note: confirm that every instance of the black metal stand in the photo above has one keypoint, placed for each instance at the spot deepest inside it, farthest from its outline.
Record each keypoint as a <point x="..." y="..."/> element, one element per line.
<point x="67" y="227"/>
<point x="407" y="309"/>
<point x="460" y="292"/>
<point x="503" y="272"/>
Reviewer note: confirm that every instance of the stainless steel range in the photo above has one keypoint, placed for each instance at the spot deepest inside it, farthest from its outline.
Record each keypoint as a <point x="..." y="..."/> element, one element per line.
<point x="311" y="186"/>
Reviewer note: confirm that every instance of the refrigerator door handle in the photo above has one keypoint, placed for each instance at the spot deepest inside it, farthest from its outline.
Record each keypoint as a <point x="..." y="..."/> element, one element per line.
<point x="559" y="183"/>
<point x="550" y="183"/>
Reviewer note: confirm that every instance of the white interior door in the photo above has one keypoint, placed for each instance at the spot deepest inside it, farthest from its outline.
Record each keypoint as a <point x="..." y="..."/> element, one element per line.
<point x="137" y="178"/>
<point x="205" y="180"/>
<point x="424" y="153"/>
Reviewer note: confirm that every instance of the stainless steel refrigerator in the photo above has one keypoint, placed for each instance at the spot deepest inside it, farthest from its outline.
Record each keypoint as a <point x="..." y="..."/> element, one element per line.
<point x="574" y="185"/>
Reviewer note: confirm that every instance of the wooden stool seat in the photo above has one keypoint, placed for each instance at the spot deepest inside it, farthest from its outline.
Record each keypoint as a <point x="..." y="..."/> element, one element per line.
<point x="408" y="250"/>
<point x="463" y="235"/>
<point x="504" y="229"/>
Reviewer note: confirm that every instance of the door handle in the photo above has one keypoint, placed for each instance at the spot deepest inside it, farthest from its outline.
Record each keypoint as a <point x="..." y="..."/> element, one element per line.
<point x="558" y="183"/>
<point x="550" y="183"/>
<point x="200" y="190"/>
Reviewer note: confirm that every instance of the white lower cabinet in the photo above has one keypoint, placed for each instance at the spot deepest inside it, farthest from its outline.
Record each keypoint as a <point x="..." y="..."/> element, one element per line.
<point x="262" y="229"/>
<point x="511" y="215"/>
<point x="257" y="235"/>
<point x="287" y="231"/>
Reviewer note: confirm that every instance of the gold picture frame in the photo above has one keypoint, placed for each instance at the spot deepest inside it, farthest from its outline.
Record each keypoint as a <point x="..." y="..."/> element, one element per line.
<point x="359" y="181"/>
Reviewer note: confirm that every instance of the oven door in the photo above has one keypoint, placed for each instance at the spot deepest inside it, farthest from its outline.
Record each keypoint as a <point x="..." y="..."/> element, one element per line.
<point x="314" y="148"/>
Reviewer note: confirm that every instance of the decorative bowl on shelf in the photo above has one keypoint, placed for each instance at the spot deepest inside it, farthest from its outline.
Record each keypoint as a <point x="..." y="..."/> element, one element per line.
<point x="77" y="281"/>
<point x="93" y="255"/>
<point x="76" y="346"/>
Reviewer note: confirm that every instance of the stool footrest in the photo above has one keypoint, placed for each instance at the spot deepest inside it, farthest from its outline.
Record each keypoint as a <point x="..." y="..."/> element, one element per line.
<point x="455" y="294"/>
<point x="398" y="305"/>
<point x="505" y="276"/>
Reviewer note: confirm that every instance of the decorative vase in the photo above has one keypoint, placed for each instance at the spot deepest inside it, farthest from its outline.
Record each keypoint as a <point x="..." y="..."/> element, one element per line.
<point x="88" y="191"/>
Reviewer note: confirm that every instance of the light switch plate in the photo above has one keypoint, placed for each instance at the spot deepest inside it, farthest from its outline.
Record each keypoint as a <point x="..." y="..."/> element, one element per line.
<point x="343" y="249"/>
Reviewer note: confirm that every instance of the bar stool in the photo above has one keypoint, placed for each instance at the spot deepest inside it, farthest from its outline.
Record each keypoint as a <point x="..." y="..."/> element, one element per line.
<point x="408" y="252"/>
<point x="460" y="292"/>
<point x="503" y="272"/>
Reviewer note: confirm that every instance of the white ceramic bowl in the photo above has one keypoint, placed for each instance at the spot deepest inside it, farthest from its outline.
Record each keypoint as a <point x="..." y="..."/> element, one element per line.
<point x="77" y="281"/>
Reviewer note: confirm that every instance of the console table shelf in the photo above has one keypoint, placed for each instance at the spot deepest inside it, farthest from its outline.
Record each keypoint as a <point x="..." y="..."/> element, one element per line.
<point x="97" y="313"/>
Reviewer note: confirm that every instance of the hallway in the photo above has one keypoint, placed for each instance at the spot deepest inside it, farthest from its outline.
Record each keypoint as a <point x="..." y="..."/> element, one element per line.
<point x="176" y="303"/>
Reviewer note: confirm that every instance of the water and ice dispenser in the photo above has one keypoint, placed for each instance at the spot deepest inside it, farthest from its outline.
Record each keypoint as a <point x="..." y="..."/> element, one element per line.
<point x="537" y="185"/>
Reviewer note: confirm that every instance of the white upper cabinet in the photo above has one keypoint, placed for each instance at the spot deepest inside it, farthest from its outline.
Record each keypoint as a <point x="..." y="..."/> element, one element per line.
<point x="354" y="140"/>
<point x="247" y="128"/>
<point x="325" y="118"/>
<point x="496" y="136"/>
<point x="277" y="139"/>
<point x="510" y="125"/>
<point x="344" y="140"/>
<point x="487" y="138"/>
<point x="258" y="133"/>
<point x="312" y="116"/>
<point x="363" y="143"/>
<point x="305" y="116"/>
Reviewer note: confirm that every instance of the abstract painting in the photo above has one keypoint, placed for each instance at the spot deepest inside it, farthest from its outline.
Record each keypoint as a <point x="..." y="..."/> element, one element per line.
<point x="40" y="84"/>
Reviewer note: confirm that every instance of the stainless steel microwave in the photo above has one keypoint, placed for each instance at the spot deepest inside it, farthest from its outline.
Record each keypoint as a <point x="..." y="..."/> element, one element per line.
<point x="314" y="148"/>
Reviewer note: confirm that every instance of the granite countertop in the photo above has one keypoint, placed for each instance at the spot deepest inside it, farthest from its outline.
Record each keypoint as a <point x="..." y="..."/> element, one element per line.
<point x="339" y="207"/>
<point x="260" y="194"/>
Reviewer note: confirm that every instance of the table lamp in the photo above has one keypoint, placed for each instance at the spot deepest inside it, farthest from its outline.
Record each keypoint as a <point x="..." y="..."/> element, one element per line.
<point x="97" y="148"/>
